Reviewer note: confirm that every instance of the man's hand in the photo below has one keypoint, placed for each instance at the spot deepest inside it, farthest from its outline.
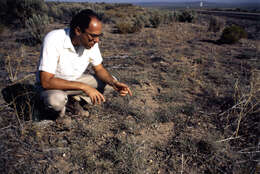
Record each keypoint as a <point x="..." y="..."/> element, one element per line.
<point x="122" y="88"/>
<point x="105" y="76"/>
<point x="95" y="95"/>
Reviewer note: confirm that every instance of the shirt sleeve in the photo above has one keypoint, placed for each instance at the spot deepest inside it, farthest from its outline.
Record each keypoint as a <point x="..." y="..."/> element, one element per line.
<point x="95" y="57"/>
<point x="49" y="54"/>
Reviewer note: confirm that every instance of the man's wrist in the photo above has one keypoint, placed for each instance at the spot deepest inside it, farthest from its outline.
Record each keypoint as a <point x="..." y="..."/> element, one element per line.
<point x="82" y="86"/>
<point x="113" y="82"/>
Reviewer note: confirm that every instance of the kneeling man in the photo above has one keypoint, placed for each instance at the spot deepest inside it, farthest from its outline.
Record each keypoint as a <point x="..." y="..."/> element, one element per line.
<point x="65" y="55"/>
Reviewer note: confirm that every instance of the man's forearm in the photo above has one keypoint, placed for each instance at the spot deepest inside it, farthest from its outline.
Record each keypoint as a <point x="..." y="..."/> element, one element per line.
<point x="105" y="76"/>
<point x="57" y="83"/>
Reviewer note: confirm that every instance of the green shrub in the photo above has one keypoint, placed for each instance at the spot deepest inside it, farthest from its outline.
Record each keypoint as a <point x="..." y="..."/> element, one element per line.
<point x="156" y="19"/>
<point x="216" y="24"/>
<point x="187" y="16"/>
<point x="21" y="10"/>
<point x="232" y="34"/>
<point x="36" y="26"/>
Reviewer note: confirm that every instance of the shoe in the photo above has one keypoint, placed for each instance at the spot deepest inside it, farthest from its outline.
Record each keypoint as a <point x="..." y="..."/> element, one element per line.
<point x="64" y="122"/>
<point x="83" y="99"/>
<point x="75" y="107"/>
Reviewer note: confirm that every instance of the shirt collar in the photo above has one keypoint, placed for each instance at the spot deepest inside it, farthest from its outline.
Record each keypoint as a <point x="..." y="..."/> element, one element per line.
<point x="67" y="42"/>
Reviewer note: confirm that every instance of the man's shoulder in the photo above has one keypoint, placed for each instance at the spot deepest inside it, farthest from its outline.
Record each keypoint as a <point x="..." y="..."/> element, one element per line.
<point x="56" y="34"/>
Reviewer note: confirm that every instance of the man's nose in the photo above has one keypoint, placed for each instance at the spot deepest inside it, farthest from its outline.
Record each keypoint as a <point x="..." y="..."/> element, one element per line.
<point x="96" y="39"/>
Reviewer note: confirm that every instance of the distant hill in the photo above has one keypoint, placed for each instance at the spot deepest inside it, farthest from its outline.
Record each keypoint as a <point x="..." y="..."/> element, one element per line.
<point x="196" y="4"/>
<point x="253" y="5"/>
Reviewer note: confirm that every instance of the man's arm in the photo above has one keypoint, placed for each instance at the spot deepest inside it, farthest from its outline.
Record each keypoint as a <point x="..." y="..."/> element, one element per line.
<point x="105" y="76"/>
<point x="49" y="81"/>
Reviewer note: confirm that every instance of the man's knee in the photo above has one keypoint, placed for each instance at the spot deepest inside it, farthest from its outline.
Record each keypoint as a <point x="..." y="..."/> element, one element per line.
<point x="95" y="82"/>
<point x="55" y="99"/>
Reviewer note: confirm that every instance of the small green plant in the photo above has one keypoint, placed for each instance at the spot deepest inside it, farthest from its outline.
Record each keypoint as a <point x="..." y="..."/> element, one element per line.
<point x="232" y="34"/>
<point x="37" y="27"/>
<point x="216" y="24"/>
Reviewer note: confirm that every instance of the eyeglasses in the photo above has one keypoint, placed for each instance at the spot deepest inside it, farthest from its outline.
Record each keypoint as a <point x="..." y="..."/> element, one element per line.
<point x="94" y="36"/>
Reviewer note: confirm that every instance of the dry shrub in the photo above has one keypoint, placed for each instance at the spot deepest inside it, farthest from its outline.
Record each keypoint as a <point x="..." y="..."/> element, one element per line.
<point x="124" y="27"/>
<point x="129" y="26"/>
<point x="216" y="24"/>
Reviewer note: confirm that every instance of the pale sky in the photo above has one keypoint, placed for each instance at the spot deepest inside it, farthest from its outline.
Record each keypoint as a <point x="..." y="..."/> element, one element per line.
<point x="135" y="1"/>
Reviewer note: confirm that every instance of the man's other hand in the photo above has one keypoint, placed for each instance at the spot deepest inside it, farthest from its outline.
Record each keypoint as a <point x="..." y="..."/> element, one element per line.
<point x="94" y="94"/>
<point x="122" y="88"/>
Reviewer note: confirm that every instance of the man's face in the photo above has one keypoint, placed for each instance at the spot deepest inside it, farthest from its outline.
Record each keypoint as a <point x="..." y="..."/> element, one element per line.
<point x="91" y="35"/>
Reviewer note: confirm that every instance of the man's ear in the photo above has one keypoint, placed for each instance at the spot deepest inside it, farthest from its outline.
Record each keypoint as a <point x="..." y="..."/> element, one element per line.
<point x="77" y="31"/>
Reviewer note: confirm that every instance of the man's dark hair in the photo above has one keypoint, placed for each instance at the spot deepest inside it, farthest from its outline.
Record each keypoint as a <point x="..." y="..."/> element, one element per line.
<point x="82" y="20"/>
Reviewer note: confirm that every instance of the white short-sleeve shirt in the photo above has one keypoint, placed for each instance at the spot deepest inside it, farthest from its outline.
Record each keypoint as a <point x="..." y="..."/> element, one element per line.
<point x="59" y="57"/>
